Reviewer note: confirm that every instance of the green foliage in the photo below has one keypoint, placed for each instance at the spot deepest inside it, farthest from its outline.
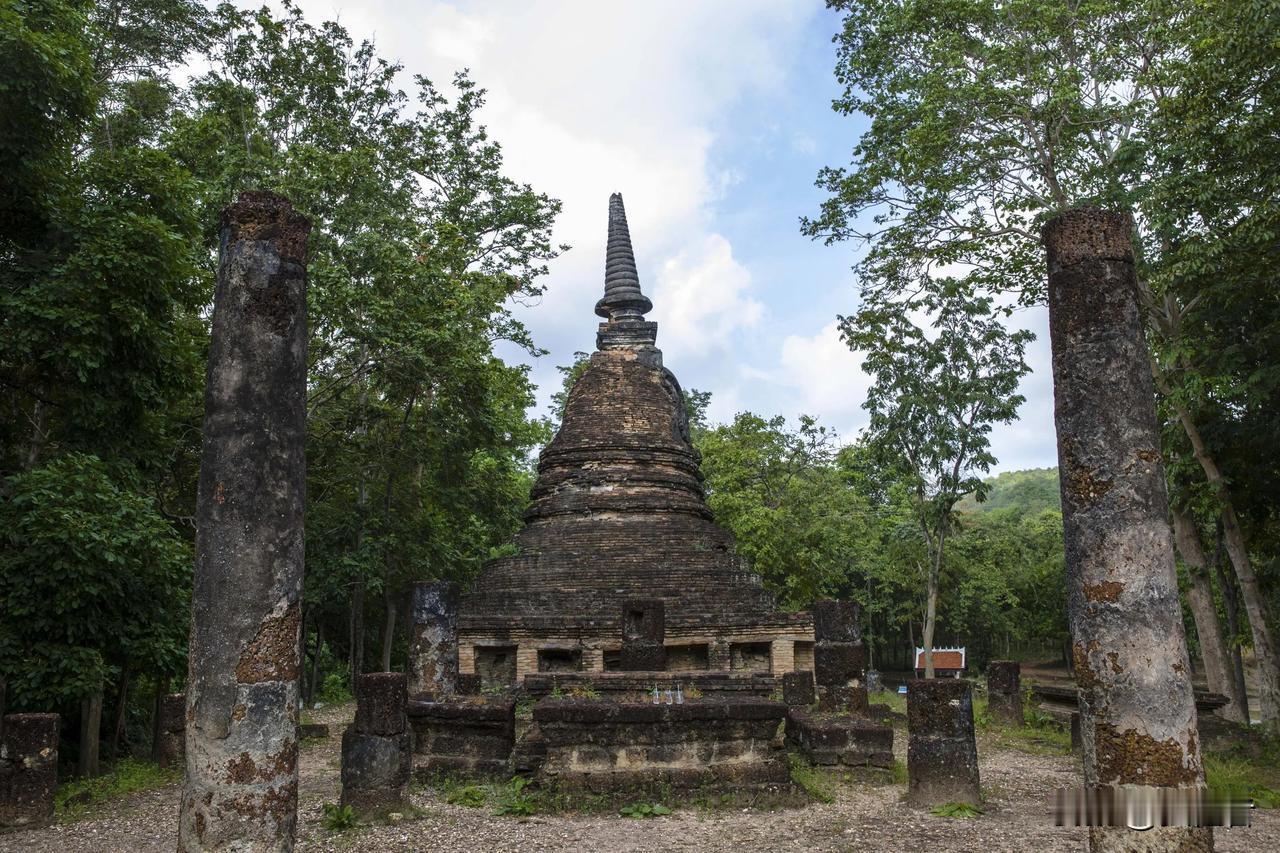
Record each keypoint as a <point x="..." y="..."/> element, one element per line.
<point x="956" y="810"/>
<point x="815" y="782"/>
<point x="127" y="776"/>
<point x="338" y="818"/>
<point x="643" y="810"/>
<point x="781" y="494"/>
<point x="471" y="796"/>
<point x="1026" y="492"/>
<point x="94" y="581"/>
<point x="514" y="801"/>
<point x="334" y="690"/>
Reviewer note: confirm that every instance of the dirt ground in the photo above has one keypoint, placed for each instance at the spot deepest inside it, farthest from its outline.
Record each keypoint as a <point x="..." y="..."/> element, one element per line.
<point x="863" y="817"/>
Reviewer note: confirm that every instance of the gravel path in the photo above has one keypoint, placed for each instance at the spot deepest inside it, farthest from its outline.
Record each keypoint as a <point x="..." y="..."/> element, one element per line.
<point x="864" y="817"/>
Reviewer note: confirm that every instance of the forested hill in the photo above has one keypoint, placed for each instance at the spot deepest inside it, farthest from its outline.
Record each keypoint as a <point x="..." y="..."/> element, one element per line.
<point x="1030" y="491"/>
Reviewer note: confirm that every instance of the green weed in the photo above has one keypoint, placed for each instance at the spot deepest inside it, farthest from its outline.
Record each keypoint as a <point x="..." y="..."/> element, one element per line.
<point x="957" y="810"/>
<point x="338" y="818"/>
<point x="814" y="782"/>
<point x="471" y="796"/>
<point x="512" y="799"/>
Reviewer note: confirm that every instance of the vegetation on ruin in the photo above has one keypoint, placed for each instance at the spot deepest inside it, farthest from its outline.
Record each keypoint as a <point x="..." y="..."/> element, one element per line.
<point x="80" y="798"/>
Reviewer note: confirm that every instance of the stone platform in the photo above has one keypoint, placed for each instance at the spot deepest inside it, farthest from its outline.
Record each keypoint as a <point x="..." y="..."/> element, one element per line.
<point x="471" y="737"/>
<point x="839" y="739"/>
<point x="605" y="746"/>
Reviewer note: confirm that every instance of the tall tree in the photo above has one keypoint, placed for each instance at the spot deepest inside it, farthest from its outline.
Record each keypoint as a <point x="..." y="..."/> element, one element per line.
<point x="990" y="116"/>
<point x="935" y="396"/>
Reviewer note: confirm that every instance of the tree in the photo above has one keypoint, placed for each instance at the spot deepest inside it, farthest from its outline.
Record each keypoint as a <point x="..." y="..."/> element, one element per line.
<point x="94" y="581"/>
<point x="780" y="493"/>
<point x="417" y="432"/>
<point x="990" y="117"/>
<point x="933" y="401"/>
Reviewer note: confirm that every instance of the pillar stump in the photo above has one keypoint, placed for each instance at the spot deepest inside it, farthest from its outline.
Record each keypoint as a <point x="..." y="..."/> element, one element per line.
<point x="643" y="636"/>
<point x="433" y="640"/>
<point x="171" y="730"/>
<point x="28" y="770"/>
<point x="942" y="755"/>
<point x="377" y="749"/>
<point x="1004" y="691"/>
<point x="241" y="790"/>
<point x="839" y="657"/>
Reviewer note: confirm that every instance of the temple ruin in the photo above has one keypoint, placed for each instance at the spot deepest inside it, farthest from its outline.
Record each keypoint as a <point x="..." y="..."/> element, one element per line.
<point x="619" y="536"/>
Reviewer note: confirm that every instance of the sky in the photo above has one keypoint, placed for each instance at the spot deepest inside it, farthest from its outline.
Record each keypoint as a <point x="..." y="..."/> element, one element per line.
<point x="712" y="118"/>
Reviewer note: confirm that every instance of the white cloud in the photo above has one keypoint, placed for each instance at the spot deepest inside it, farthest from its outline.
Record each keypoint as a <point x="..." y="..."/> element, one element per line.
<point x="702" y="298"/>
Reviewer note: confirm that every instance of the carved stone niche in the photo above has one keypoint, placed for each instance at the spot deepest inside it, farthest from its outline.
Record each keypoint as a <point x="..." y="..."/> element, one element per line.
<point x="644" y="621"/>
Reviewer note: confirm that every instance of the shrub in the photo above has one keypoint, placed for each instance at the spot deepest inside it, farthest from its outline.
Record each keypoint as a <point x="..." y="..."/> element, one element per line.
<point x="957" y="810"/>
<point x="643" y="810"/>
<point x="338" y="818"/>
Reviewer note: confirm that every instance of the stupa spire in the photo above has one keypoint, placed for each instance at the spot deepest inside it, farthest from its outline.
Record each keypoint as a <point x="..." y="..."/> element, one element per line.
<point x="622" y="297"/>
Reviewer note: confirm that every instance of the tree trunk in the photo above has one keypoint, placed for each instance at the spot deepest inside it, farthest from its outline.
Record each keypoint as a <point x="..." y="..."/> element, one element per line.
<point x="90" y="728"/>
<point x="1137" y="708"/>
<point x="356" y="624"/>
<point x="117" y="730"/>
<point x="162" y="688"/>
<point x="1213" y="651"/>
<point x="930" y="621"/>
<point x="1231" y="603"/>
<point x="1264" y="645"/>
<point x="39" y="433"/>
<point x="315" y="663"/>
<point x="388" y="628"/>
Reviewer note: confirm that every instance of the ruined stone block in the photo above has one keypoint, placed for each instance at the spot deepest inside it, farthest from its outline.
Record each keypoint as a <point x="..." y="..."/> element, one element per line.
<point x="468" y="684"/>
<point x="644" y="621"/>
<point x="1004" y="691"/>
<point x="836" y="621"/>
<point x="842" y="698"/>
<point x="376" y="770"/>
<point x="380" y="703"/>
<point x="831" y="739"/>
<point x="643" y="657"/>
<point x="942" y="755"/>
<point x="797" y="688"/>
<point x="838" y="663"/>
<point x="472" y="738"/>
<point x="28" y="769"/>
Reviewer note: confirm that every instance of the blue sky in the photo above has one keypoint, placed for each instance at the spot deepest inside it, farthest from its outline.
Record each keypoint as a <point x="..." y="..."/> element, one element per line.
<point x="712" y="118"/>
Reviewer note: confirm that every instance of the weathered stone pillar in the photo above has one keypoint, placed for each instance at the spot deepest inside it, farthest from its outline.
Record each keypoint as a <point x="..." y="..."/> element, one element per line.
<point x="377" y="749"/>
<point x="643" y="634"/>
<point x="241" y="789"/>
<point x="433" y="640"/>
<point x="170" y="730"/>
<point x="839" y="658"/>
<point x="1138" y="716"/>
<point x="1004" y="691"/>
<point x="942" y="755"/>
<point x="28" y="770"/>
<point x="797" y="688"/>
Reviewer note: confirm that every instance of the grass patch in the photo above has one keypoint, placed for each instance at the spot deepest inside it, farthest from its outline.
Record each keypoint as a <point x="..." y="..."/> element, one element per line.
<point x="643" y="810"/>
<point x="78" y="797"/>
<point x="1241" y="778"/>
<point x="897" y="702"/>
<point x="956" y="810"/>
<point x="471" y="796"/>
<point x="818" y="784"/>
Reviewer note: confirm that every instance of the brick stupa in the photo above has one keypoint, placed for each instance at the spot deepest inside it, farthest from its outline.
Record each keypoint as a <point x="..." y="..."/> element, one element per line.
<point x="618" y="514"/>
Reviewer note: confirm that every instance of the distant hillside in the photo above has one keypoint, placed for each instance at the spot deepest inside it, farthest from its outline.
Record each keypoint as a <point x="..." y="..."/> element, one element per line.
<point x="1029" y="491"/>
